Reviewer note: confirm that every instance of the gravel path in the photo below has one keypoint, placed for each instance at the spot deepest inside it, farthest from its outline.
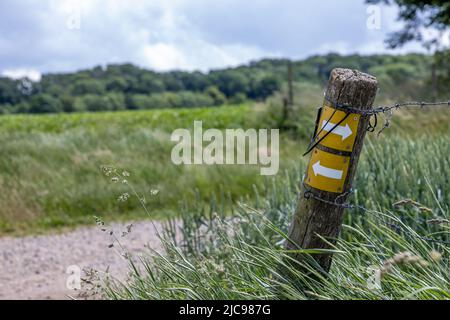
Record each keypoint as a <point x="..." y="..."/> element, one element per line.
<point x="35" y="267"/>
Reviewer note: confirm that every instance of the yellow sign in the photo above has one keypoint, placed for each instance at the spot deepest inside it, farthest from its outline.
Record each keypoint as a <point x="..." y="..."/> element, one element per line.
<point x="327" y="171"/>
<point x="343" y="136"/>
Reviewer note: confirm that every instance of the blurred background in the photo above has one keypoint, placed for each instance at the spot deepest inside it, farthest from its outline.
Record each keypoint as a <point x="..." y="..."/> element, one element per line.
<point x="88" y="84"/>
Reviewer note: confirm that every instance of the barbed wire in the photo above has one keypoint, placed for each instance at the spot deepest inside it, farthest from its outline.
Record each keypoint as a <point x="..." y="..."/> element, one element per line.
<point x="364" y="113"/>
<point x="375" y="214"/>
<point x="384" y="109"/>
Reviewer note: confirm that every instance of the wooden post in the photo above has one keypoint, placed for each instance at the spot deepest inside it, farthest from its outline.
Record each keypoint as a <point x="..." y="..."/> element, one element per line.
<point x="288" y="101"/>
<point x="434" y="82"/>
<point x="313" y="217"/>
<point x="291" y="90"/>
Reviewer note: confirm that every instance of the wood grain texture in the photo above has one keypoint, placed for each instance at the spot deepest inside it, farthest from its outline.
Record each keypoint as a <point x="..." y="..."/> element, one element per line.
<point x="314" y="218"/>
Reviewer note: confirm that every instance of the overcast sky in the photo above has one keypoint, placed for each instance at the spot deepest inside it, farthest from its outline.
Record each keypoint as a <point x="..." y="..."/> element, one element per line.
<point x="38" y="36"/>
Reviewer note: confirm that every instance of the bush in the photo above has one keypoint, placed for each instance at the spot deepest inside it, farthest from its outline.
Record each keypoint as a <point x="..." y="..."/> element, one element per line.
<point x="238" y="98"/>
<point x="68" y="103"/>
<point x="182" y="99"/>
<point x="218" y="97"/>
<point x="115" y="101"/>
<point x="109" y="102"/>
<point x="5" y="108"/>
<point x="95" y="103"/>
<point x="79" y="105"/>
<point x="264" y="87"/>
<point x="138" y="101"/>
<point x="192" y="100"/>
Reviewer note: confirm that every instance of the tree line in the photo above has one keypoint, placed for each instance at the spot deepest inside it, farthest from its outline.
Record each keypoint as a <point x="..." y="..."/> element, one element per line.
<point x="126" y="86"/>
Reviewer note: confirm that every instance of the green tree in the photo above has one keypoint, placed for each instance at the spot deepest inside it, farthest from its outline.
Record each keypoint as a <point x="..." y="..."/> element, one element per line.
<point x="98" y="103"/>
<point x="218" y="97"/>
<point x="6" y="108"/>
<point x="79" y="105"/>
<point x="140" y="101"/>
<point x="8" y="91"/>
<point x="232" y="82"/>
<point x="67" y="103"/>
<point x="88" y="86"/>
<point x="191" y="99"/>
<point x="21" y="107"/>
<point x="115" y="100"/>
<point x="172" y="82"/>
<point x="45" y="103"/>
<point x="117" y="84"/>
<point x="418" y="15"/>
<point x="421" y="16"/>
<point x="195" y="81"/>
<point x="265" y="87"/>
<point x="150" y="84"/>
<point x="238" y="98"/>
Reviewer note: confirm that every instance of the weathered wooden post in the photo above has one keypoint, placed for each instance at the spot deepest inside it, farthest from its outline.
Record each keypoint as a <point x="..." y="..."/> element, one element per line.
<point x="333" y="162"/>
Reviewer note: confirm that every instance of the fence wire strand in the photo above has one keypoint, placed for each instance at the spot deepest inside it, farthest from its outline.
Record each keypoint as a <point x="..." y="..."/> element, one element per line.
<point x="384" y="109"/>
<point x="388" y="111"/>
<point x="308" y="194"/>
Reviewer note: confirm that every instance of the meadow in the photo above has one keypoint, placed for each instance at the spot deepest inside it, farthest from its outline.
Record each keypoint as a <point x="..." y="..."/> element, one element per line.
<point x="52" y="177"/>
<point x="394" y="244"/>
<point x="51" y="173"/>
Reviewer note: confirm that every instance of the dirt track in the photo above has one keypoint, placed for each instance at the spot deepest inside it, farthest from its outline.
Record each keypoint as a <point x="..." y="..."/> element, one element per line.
<point x="35" y="267"/>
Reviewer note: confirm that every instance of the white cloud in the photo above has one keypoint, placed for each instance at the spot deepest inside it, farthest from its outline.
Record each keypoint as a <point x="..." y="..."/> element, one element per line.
<point x="33" y="75"/>
<point x="64" y="35"/>
<point x="197" y="55"/>
<point x="162" y="56"/>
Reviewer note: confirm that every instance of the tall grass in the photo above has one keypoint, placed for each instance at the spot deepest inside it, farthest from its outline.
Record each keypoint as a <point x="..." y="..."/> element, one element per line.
<point x="211" y="255"/>
<point x="50" y="166"/>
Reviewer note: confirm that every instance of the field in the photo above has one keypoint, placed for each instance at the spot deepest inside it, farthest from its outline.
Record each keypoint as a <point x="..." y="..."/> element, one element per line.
<point x="245" y="151"/>
<point x="52" y="178"/>
<point x="51" y="166"/>
<point x="394" y="246"/>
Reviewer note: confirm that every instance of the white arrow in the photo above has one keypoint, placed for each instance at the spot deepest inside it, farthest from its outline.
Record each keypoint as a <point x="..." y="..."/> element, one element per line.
<point x="344" y="132"/>
<point x="326" y="172"/>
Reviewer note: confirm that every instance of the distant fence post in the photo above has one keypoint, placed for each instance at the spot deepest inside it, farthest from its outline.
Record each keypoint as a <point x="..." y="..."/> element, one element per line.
<point x="333" y="162"/>
<point x="290" y="88"/>
<point x="288" y="101"/>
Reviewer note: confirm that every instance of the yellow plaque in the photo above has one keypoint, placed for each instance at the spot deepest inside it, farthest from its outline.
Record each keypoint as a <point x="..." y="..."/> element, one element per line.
<point x="343" y="136"/>
<point x="327" y="171"/>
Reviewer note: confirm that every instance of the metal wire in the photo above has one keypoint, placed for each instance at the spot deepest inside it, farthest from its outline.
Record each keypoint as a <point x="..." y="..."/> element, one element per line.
<point x="314" y="143"/>
<point x="371" y="128"/>
<point x="308" y="194"/>
<point x="384" y="109"/>
<point x="364" y="113"/>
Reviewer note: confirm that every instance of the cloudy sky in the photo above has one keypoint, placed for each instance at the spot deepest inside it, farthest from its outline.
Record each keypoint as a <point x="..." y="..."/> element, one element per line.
<point x="38" y="36"/>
